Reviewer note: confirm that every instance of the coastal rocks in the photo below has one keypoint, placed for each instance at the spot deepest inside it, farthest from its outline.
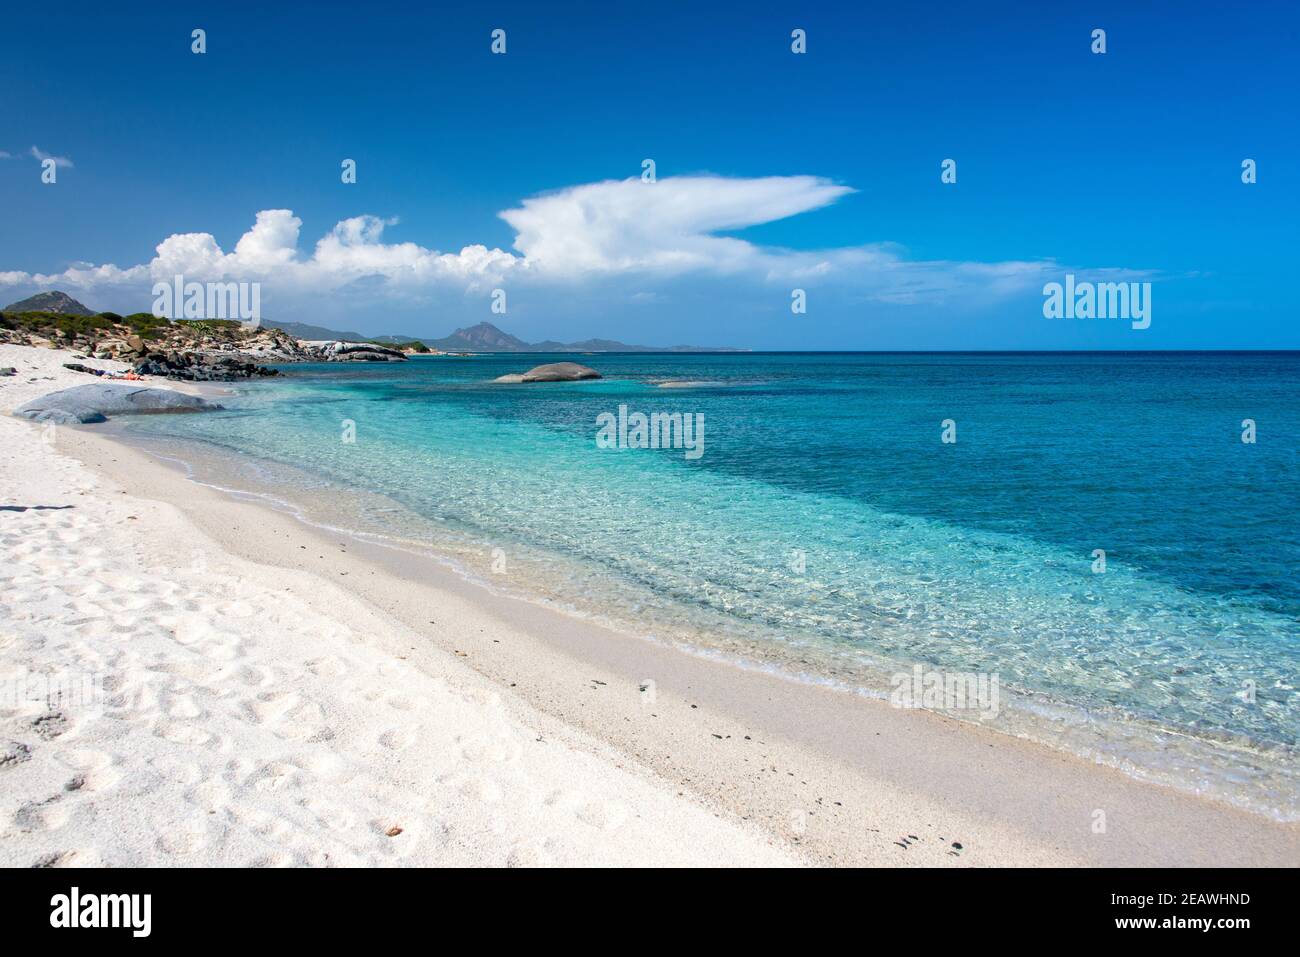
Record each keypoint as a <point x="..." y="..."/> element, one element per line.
<point x="553" y="372"/>
<point x="78" y="367"/>
<point x="95" y="402"/>
<point x="560" y="372"/>
<point x="201" y="367"/>
<point x="356" y="352"/>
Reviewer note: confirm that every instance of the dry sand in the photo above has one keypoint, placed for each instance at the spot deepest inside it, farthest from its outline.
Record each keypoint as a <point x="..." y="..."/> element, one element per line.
<point x="279" y="694"/>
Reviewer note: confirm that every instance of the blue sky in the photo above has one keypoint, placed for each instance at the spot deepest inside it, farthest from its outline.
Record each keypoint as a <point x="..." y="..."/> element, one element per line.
<point x="1127" y="162"/>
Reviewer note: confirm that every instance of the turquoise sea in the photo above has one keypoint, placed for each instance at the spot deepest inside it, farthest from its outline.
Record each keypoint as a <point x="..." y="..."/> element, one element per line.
<point x="829" y="532"/>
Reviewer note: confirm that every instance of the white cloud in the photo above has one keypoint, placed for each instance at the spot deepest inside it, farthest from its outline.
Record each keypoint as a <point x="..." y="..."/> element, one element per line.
<point x="4" y="155"/>
<point x="667" y="226"/>
<point x="596" y="232"/>
<point x="59" y="161"/>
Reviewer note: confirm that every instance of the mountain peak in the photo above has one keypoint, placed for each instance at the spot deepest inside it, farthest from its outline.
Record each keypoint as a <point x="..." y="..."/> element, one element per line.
<point x="485" y="337"/>
<point x="53" y="301"/>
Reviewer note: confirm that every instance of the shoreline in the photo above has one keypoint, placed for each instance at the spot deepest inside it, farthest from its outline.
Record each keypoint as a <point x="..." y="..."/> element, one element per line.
<point x="1062" y="728"/>
<point x="812" y="751"/>
<point x="828" y="776"/>
<point x="235" y="719"/>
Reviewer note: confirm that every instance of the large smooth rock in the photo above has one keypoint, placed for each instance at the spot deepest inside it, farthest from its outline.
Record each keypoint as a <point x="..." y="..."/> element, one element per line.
<point x="559" y="372"/>
<point x="359" y="352"/>
<point x="96" y="401"/>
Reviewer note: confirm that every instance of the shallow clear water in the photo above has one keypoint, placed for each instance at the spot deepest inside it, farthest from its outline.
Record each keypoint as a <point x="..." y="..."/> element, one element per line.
<point x="975" y="556"/>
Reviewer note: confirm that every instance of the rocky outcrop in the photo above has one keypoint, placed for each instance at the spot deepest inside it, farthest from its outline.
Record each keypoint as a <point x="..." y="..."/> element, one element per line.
<point x="78" y="367"/>
<point x="96" y="401"/>
<point x="201" y="367"/>
<point x="196" y="350"/>
<point x="559" y="372"/>
<point x="354" y="352"/>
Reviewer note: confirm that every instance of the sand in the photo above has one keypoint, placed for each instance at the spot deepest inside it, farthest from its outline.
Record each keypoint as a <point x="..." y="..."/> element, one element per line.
<point x="243" y="725"/>
<point x="276" y="694"/>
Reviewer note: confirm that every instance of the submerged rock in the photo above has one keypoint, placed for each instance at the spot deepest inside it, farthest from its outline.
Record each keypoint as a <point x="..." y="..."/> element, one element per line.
<point x="95" y="402"/>
<point x="555" y="372"/>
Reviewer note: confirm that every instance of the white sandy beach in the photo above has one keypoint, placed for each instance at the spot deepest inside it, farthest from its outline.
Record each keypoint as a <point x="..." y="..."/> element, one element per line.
<point x="258" y="719"/>
<point x="275" y="696"/>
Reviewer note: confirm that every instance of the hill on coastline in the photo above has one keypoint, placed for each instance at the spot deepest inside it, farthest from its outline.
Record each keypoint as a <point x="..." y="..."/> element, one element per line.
<point x="483" y="337"/>
<point x="486" y="337"/>
<point x="59" y="303"/>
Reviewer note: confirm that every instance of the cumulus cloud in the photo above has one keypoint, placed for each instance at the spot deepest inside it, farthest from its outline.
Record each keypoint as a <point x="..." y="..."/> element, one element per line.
<point x="595" y="232"/>
<point x="59" y="161"/>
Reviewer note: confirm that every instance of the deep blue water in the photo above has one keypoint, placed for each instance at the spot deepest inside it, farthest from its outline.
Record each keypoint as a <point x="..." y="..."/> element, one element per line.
<point x="975" y="555"/>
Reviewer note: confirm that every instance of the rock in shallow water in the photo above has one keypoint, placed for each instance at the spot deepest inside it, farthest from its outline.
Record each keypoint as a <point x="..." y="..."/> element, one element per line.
<point x="95" y="402"/>
<point x="553" y="372"/>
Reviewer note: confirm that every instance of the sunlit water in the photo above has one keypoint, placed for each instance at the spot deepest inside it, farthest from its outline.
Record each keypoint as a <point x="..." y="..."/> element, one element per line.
<point x="829" y="532"/>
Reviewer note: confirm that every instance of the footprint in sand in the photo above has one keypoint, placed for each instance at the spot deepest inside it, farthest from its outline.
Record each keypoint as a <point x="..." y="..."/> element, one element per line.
<point x="331" y="815"/>
<point x="397" y="739"/>
<point x="322" y="764"/>
<point x="478" y="749"/>
<point x="182" y="733"/>
<point x="85" y="759"/>
<point x="49" y="815"/>
<point x="327" y="667"/>
<point x="275" y="777"/>
<point x="178" y="772"/>
<point x="51" y="725"/>
<point x="13" y="753"/>
<point x="208" y="796"/>
<point x="192" y="631"/>
<point x="528" y="854"/>
<point x="474" y="786"/>
<point x="480" y="696"/>
<point x="183" y="707"/>
<point x="276" y="859"/>
<point x="260" y="822"/>
<point x="256" y="676"/>
<point x="90" y="781"/>
<point x="237" y="609"/>
<point x="604" y="815"/>
<point x="184" y="839"/>
<point x="77" y="857"/>
<point x="222" y="651"/>
<point x="289" y="715"/>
